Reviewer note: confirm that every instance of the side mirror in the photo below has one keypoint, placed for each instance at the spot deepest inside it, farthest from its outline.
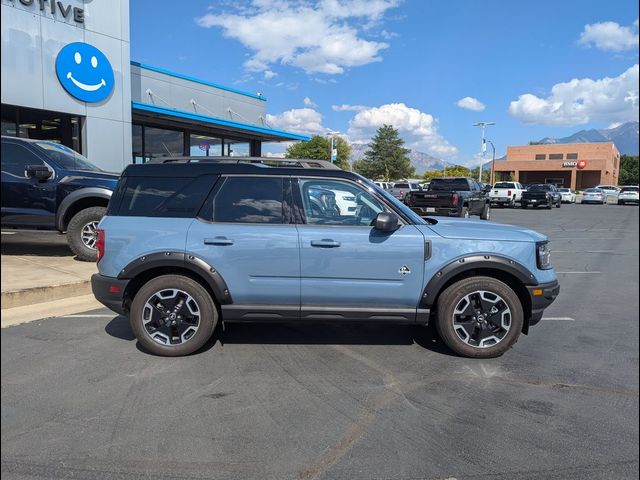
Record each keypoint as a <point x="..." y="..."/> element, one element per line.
<point x="386" y="222"/>
<point x="486" y="188"/>
<point x="39" y="172"/>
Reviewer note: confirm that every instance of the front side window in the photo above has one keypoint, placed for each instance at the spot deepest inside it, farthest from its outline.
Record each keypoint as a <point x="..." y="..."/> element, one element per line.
<point x="336" y="202"/>
<point x="249" y="200"/>
<point x="15" y="159"/>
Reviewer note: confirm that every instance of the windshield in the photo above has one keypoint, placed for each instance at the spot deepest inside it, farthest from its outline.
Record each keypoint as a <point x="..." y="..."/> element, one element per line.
<point x="67" y="158"/>
<point x="406" y="211"/>
<point x="401" y="185"/>
<point x="592" y="190"/>
<point x="446" y="184"/>
<point x="504" y="185"/>
<point x="539" y="188"/>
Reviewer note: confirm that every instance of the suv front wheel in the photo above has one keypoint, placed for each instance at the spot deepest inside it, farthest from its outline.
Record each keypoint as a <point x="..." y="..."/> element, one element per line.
<point x="173" y="315"/>
<point x="81" y="232"/>
<point x="479" y="317"/>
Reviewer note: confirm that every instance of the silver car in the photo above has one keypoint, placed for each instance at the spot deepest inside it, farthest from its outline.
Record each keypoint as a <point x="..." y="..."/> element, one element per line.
<point x="628" y="194"/>
<point x="594" y="195"/>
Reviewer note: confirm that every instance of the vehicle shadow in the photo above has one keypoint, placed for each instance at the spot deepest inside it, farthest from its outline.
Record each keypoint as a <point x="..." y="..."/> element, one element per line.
<point x="41" y="244"/>
<point x="312" y="333"/>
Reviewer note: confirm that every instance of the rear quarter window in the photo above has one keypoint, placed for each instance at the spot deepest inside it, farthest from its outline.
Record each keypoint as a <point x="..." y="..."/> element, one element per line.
<point x="161" y="196"/>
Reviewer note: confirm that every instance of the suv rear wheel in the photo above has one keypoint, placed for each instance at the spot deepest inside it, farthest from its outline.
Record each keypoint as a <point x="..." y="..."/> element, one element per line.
<point x="81" y="232"/>
<point x="486" y="212"/>
<point x="173" y="315"/>
<point x="479" y="317"/>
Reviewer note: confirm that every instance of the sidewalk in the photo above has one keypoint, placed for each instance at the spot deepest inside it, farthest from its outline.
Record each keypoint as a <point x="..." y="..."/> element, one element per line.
<point x="38" y="267"/>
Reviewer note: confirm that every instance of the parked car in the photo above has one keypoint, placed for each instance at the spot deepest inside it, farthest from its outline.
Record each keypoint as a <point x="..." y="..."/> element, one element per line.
<point x="451" y="196"/>
<point x="628" y="194"/>
<point x="402" y="189"/>
<point x="48" y="186"/>
<point x="610" y="190"/>
<point x="506" y="194"/>
<point x="385" y="185"/>
<point x="594" y="195"/>
<point x="542" y="194"/>
<point x="568" y="195"/>
<point x="236" y="242"/>
<point x="346" y="202"/>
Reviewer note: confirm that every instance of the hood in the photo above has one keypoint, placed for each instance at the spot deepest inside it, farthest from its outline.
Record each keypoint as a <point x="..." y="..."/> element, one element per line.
<point x="466" y="229"/>
<point x="80" y="177"/>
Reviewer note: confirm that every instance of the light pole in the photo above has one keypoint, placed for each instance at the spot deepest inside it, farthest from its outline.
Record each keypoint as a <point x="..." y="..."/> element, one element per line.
<point x="333" y="151"/>
<point x="492" y="179"/>
<point x="483" y="146"/>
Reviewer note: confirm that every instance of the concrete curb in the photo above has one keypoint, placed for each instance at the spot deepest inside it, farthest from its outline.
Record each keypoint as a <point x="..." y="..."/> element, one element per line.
<point x="29" y="296"/>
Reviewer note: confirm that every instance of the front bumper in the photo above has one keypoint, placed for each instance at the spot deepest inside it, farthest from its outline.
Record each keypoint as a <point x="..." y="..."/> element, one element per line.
<point x="110" y="292"/>
<point x="542" y="296"/>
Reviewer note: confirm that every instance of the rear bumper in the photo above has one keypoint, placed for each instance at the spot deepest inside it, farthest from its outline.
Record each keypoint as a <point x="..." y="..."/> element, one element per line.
<point x="500" y="199"/>
<point x="439" y="211"/>
<point x="110" y="292"/>
<point x="540" y="301"/>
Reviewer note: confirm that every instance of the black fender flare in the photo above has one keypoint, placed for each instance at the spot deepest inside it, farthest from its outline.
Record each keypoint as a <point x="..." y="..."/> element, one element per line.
<point x="473" y="262"/>
<point x="182" y="260"/>
<point x="76" y="195"/>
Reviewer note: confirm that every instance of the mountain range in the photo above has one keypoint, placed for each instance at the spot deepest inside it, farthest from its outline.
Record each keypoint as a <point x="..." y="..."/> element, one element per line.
<point x="624" y="136"/>
<point x="422" y="161"/>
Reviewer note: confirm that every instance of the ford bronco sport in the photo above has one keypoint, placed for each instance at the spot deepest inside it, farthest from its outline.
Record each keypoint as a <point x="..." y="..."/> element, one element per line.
<point x="189" y="242"/>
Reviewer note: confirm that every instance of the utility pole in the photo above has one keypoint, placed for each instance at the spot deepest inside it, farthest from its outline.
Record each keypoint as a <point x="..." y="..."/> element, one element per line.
<point x="483" y="145"/>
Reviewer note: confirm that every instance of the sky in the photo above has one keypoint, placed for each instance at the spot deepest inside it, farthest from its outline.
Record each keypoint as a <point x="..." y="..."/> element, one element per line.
<point x="430" y="68"/>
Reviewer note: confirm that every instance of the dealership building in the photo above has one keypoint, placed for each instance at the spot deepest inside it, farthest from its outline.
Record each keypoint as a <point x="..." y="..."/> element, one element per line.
<point x="574" y="165"/>
<point x="67" y="76"/>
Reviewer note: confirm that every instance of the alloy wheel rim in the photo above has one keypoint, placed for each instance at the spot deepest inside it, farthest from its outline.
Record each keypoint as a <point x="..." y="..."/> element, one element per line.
<point x="171" y="317"/>
<point x="88" y="234"/>
<point x="481" y="319"/>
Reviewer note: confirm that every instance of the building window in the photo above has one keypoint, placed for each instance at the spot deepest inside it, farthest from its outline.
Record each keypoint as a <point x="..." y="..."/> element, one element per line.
<point x="556" y="156"/>
<point x="572" y="156"/>
<point x="159" y="142"/>
<point x="42" y="125"/>
<point x="204" y="146"/>
<point x="137" y="143"/>
<point x="541" y="156"/>
<point x="236" y="148"/>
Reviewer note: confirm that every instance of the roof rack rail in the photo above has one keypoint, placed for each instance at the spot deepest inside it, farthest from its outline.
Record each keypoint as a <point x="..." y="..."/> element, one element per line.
<point x="262" y="161"/>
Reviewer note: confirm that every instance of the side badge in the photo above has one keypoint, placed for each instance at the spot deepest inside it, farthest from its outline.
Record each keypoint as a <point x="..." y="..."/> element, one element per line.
<point x="404" y="270"/>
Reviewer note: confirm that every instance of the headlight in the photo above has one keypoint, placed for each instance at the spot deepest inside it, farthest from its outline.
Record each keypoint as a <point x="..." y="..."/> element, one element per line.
<point x="543" y="255"/>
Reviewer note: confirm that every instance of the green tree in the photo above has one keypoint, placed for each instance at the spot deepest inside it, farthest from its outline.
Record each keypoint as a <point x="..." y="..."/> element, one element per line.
<point x="386" y="157"/>
<point x="319" y="148"/>
<point x="450" y="171"/>
<point x="486" y="174"/>
<point x="628" y="174"/>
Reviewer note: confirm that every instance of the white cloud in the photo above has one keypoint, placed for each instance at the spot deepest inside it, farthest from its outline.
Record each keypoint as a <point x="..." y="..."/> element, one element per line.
<point x="309" y="103"/>
<point x="418" y="129"/>
<point x="614" y="125"/>
<point x="268" y="74"/>
<point x="470" y="103"/>
<point x="322" y="36"/>
<point x="610" y="36"/>
<point x="581" y="101"/>
<point x="305" y="121"/>
<point x="345" y="107"/>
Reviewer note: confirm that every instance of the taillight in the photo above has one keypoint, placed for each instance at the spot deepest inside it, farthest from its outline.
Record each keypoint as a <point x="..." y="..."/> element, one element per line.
<point x="508" y="193"/>
<point x="100" y="237"/>
<point x="455" y="199"/>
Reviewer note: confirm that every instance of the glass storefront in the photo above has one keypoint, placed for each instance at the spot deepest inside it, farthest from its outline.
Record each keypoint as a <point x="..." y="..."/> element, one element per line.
<point x="204" y="146"/>
<point x="236" y="148"/>
<point x="42" y="125"/>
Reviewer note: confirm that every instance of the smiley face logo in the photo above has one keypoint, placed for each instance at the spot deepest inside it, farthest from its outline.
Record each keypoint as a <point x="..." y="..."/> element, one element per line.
<point x="84" y="72"/>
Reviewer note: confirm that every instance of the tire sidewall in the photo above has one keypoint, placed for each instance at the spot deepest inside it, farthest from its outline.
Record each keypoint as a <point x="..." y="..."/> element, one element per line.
<point x="450" y="298"/>
<point x="74" y="232"/>
<point x="208" y="315"/>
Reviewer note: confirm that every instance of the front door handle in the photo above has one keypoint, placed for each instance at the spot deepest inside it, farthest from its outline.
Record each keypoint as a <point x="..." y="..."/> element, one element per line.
<point x="325" y="243"/>
<point x="220" y="241"/>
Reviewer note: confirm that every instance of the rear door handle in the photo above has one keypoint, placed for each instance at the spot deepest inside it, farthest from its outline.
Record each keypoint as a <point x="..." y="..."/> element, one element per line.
<point x="325" y="243"/>
<point x="221" y="241"/>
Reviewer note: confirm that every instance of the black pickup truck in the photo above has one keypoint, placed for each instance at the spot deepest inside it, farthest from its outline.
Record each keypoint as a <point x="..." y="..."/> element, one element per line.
<point x="546" y="195"/>
<point x="451" y="196"/>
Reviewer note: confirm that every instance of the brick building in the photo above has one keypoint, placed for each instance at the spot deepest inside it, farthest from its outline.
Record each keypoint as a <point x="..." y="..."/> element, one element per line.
<point x="575" y="165"/>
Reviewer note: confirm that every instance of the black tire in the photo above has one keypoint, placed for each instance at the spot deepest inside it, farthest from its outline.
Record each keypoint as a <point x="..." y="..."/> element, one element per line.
<point x="207" y="315"/>
<point x="486" y="212"/>
<point x="464" y="212"/>
<point x="512" y="203"/>
<point x="523" y="205"/>
<point x="620" y="202"/>
<point x="559" y="204"/>
<point x="455" y="293"/>
<point x="78" y="232"/>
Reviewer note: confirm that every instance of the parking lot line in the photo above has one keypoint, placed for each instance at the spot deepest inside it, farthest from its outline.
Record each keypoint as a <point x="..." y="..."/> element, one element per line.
<point x="559" y="319"/>
<point x="577" y="272"/>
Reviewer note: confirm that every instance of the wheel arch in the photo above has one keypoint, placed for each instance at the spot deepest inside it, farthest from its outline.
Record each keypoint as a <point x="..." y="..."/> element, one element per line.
<point x="146" y="267"/>
<point x="79" y="200"/>
<point x="516" y="276"/>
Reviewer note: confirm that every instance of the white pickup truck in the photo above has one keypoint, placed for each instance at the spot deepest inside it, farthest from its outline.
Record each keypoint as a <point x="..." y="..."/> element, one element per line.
<point x="506" y="193"/>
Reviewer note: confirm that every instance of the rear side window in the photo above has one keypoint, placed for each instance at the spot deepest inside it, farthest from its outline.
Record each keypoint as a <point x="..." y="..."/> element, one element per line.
<point x="249" y="200"/>
<point x="162" y="196"/>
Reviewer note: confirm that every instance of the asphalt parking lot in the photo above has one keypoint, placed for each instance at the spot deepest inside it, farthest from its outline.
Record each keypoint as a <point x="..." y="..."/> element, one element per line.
<point x="80" y="400"/>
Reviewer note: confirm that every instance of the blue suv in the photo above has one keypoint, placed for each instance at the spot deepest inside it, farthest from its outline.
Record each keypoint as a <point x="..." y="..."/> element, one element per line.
<point x="187" y="243"/>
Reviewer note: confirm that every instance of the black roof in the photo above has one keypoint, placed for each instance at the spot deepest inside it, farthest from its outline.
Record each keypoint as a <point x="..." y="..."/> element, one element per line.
<point x="196" y="166"/>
